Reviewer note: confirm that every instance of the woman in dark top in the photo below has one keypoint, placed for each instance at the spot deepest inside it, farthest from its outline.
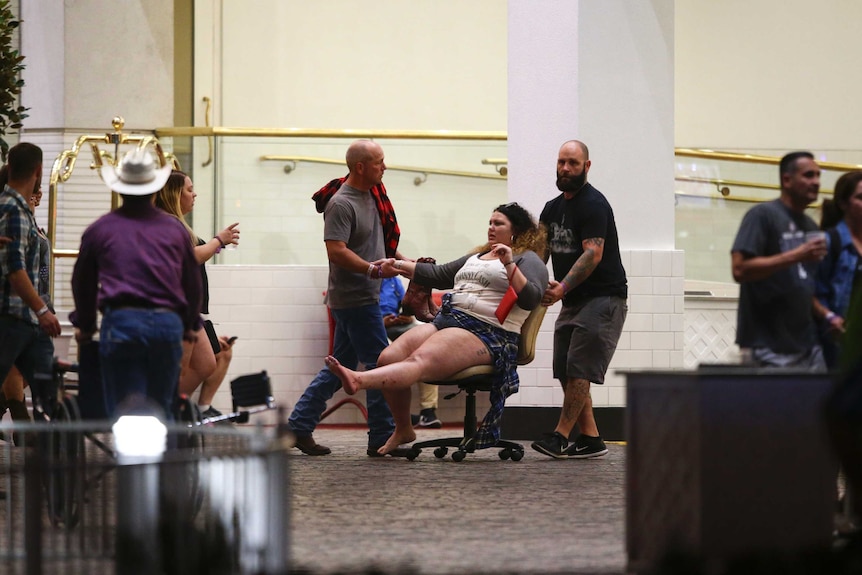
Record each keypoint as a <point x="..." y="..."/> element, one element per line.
<point x="200" y="362"/>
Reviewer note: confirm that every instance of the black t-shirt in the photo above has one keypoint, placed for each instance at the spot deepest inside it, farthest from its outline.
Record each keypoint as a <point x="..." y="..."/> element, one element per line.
<point x="587" y="215"/>
<point x="776" y="312"/>
<point x="205" y="284"/>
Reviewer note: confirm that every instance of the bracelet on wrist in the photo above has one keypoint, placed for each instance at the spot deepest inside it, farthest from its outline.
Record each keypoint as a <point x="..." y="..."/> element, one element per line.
<point x="508" y="263"/>
<point x="830" y="315"/>
<point x="221" y="245"/>
<point x="42" y="311"/>
<point x="369" y="271"/>
<point x="565" y="286"/>
<point x="379" y="271"/>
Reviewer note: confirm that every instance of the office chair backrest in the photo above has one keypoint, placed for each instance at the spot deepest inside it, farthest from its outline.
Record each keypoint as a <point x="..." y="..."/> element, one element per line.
<point x="251" y="390"/>
<point x="529" y="333"/>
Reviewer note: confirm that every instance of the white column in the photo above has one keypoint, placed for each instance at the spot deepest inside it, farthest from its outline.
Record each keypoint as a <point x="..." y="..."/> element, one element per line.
<point x="43" y="46"/>
<point x="601" y="71"/>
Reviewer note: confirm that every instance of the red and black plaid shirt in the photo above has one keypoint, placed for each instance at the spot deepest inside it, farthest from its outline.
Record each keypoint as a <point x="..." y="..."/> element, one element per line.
<point x="391" y="231"/>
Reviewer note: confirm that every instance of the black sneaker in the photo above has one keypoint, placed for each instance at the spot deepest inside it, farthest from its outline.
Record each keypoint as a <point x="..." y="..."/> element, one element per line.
<point x="428" y="418"/>
<point x="211" y="412"/>
<point x="554" y="445"/>
<point x="585" y="447"/>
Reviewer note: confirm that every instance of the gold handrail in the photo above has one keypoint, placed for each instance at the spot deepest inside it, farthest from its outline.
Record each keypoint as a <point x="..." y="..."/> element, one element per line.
<point x="326" y="133"/>
<point x="746" y="199"/>
<point x="416" y="181"/>
<point x="721" y="185"/>
<point x="755" y="159"/>
<point x="64" y="165"/>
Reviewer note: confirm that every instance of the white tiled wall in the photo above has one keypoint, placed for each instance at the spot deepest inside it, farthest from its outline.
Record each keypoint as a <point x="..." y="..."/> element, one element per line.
<point x="278" y="314"/>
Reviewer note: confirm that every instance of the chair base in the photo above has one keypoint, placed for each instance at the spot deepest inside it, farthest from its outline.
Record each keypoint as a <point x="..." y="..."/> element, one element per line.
<point x="463" y="446"/>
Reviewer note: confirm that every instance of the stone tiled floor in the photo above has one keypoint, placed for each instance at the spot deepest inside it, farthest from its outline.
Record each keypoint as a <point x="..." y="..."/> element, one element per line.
<point x="352" y="513"/>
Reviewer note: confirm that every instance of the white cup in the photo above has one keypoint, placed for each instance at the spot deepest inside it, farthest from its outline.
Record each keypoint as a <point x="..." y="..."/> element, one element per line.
<point x="815" y="235"/>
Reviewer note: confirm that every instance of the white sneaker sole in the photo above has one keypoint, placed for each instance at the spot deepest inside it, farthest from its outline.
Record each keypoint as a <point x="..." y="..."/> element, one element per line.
<point x="586" y="455"/>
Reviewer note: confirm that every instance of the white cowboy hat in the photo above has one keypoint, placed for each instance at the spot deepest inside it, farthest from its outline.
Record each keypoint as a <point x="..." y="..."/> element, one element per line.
<point x="137" y="174"/>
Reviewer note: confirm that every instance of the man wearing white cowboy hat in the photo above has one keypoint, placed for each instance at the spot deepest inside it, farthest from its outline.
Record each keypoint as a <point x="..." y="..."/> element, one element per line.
<point x="136" y="265"/>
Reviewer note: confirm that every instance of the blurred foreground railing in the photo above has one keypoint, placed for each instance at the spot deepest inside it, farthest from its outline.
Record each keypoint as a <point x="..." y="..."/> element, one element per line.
<point x="217" y="502"/>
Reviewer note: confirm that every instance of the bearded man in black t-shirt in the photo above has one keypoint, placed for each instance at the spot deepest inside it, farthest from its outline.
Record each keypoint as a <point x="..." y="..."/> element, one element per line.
<point x="591" y="282"/>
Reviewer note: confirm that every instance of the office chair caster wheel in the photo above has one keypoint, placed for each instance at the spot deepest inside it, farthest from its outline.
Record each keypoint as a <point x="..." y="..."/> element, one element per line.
<point x="517" y="455"/>
<point x="505" y="454"/>
<point x="440" y="452"/>
<point x="459" y="456"/>
<point x="414" y="453"/>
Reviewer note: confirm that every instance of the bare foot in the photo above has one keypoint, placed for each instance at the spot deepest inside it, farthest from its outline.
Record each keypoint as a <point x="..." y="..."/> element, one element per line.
<point x="348" y="378"/>
<point x="397" y="439"/>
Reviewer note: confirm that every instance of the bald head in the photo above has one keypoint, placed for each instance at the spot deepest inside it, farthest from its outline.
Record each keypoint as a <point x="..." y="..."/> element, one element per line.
<point x="585" y="152"/>
<point x="366" y="165"/>
<point x="573" y="163"/>
<point x="361" y="151"/>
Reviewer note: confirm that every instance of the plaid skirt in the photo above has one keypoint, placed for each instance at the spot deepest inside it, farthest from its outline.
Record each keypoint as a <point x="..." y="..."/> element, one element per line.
<point x="503" y="346"/>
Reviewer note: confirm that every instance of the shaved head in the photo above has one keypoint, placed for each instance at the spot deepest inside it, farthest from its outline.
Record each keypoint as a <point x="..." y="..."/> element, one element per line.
<point x="361" y="151"/>
<point x="583" y="147"/>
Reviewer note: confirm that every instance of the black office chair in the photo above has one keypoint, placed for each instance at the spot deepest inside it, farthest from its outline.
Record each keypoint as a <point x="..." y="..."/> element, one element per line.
<point x="480" y="378"/>
<point x="250" y="394"/>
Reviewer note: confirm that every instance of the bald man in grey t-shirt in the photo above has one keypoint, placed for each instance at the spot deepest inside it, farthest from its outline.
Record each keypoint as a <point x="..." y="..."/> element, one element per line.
<point x="353" y="234"/>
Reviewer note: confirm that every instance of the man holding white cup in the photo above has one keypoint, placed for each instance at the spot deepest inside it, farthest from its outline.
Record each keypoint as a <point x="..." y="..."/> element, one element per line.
<point x="774" y="259"/>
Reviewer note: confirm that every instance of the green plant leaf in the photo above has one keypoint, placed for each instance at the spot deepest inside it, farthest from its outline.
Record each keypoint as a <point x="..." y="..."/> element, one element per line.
<point x="11" y="82"/>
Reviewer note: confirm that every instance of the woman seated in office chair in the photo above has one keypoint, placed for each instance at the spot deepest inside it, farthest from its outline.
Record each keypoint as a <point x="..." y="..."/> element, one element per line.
<point x="482" y="330"/>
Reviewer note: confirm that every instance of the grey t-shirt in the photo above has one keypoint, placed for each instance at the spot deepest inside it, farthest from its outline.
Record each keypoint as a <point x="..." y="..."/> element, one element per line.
<point x="351" y="217"/>
<point x="776" y="312"/>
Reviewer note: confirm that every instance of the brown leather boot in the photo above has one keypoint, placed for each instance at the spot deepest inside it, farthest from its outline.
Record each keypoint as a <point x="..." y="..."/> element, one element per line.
<point x="308" y="446"/>
<point x="417" y="298"/>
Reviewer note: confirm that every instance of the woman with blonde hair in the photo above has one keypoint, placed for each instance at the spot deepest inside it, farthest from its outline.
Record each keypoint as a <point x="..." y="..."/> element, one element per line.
<point x="207" y="358"/>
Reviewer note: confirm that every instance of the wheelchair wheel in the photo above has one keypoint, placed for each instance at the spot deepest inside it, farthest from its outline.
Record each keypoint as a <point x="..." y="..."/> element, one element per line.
<point x="64" y="474"/>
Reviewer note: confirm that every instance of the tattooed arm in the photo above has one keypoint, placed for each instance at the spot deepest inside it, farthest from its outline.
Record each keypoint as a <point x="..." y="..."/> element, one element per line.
<point x="594" y="249"/>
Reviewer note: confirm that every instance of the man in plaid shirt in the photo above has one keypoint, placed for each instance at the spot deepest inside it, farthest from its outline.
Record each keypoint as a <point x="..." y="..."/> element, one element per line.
<point x="26" y="323"/>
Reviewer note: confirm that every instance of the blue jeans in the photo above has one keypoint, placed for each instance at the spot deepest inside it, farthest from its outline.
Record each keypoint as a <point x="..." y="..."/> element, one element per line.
<point x="359" y="337"/>
<point x="30" y="349"/>
<point x="140" y="352"/>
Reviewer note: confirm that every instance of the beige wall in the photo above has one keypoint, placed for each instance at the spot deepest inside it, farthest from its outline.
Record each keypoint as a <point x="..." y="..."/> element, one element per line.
<point x="387" y="64"/>
<point x="89" y="60"/>
<point x="768" y="74"/>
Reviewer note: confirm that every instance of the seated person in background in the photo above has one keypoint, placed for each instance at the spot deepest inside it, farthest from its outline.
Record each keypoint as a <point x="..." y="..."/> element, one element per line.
<point x="396" y="323"/>
<point x="472" y="328"/>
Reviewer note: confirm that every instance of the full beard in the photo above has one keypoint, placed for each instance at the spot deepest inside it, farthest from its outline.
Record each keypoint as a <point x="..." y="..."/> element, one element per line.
<point x="571" y="183"/>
